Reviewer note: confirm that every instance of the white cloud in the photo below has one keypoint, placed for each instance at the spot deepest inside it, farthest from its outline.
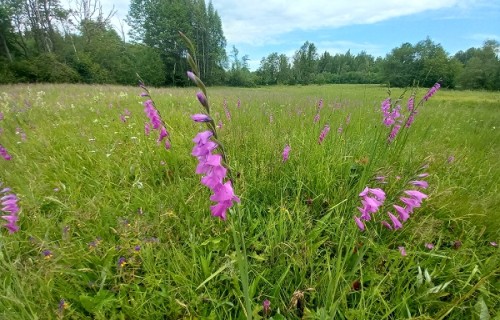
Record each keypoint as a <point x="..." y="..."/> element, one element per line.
<point x="484" y="36"/>
<point x="259" y="22"/>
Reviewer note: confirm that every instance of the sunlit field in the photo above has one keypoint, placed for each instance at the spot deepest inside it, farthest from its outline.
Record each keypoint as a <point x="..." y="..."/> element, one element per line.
<point x="114" y="226"/>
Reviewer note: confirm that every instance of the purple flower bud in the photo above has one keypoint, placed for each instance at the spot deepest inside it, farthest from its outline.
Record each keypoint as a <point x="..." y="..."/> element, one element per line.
<point x="402" y="250"/>
<point x="202" y="99"/>
<point x="192" y="76"/>
<point x="199" y="117"/>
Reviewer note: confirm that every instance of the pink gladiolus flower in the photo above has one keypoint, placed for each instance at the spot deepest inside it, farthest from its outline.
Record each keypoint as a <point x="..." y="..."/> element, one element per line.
<point x="386" y="224"/>
<point x="410" y="203"/>
<point x="316" y="118"/>
<point x="420" y="183"/>
<point x="395" y="222"/>
<point x="394" y="133"/>
<point x="286" y="152"/>
<point x="4" y="154"/>
<point x="417" y="195"/>
<point x="147" y="128"/>
<point x="204" y="149"/>
<point x="202" y="137"/>
<point x="9" y="205"/>
<point x="163" y="134"/>
<point x="224" y="193"/>
<point x="199" y="117"/>
<point x="432" y="91"/>
<point x="411" y="103"/>
<point x="320" y="104"/>
<point x="402" y="250"/>
<point x="359" y="223"/>
<point x="323" y="133"/>
<point x="377" y="192"/>
<point x="226" y="110"/>
<point x="402" y="212"/>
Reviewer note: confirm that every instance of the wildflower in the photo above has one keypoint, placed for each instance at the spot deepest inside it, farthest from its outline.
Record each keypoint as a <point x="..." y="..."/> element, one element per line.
<point x="286" y="152"/>
<point x="226" y="110"/>
<point x="202" y="99"/>
<point x="420" y="183"/>
<point x="163" y="134"/>
<point x="359" y="223"/>
<point x="137" y="248"/>
<point x="152" y="114"/>
<point x="122" y="262"/>
<point x="4" y="154"/>
<point x="386" y="224"/>
<point x="429" y="246"/>
<point x="371" y="200"/>
<point x="493" y="244"/>
<point x="147" y="128"/>
<point x="432" y="91"/>
<point x="219" y="125"/>
<point x="47" y="254"/>
<point x="9" y="205"/>
<point x="450" y="159"/>
<point x="238" y="104"/>
<point x="316" y="118"/>
<point x="320" y="104"/>
<point x="271" y="120"/>
<point x="417" y="195"/>
<point x="394" y="133"/>
<point x="323" y="133"/>
<point x="266" y="306"/>
<point x="402" y="212"/>
<point x="62" y="306"/>
<point x="201" y="118"/>
<point x="402" y="250"/>
<point x="395" y="222"/>
<point x="411" y="103"/>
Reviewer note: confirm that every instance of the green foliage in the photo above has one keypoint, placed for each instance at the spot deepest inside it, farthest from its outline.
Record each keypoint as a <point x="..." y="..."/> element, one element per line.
<point x="92" y="188"/>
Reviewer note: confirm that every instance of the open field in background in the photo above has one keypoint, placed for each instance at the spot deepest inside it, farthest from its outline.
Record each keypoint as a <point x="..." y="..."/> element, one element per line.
<point x="94" y="189"/>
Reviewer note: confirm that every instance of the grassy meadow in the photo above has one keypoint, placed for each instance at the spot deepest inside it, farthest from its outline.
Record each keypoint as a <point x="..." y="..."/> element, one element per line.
<point x="113" y="226"/>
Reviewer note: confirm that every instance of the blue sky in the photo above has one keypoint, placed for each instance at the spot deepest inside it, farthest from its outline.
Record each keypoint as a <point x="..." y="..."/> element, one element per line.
<point x="258" y="28"/>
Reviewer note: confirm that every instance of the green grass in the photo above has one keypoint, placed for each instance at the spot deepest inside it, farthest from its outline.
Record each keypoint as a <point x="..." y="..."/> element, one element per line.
<point x="92" y="188"/>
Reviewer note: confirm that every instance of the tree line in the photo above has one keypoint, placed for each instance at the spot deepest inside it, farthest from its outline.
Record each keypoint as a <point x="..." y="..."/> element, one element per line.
<point x="40" y="41"/>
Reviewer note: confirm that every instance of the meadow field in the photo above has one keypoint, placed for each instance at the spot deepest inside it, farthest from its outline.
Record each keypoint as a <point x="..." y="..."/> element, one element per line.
<point x="114" y="226"/>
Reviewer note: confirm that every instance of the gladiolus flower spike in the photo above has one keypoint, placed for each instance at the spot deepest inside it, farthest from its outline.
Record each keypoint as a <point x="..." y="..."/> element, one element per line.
<point x="8" y="205"/>
<point x="210" y="164"/>
<point x="373" y="199"/>
<point x="155" y="120"/>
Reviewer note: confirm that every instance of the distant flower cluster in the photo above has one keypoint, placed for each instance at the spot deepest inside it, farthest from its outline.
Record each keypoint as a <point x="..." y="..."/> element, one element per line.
<point x="393" y="117"/>
<point x="373" y="199"/>
<point x="155" y="120"/>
